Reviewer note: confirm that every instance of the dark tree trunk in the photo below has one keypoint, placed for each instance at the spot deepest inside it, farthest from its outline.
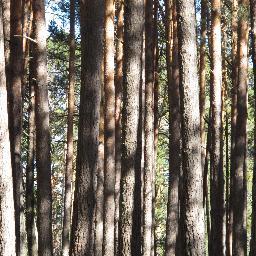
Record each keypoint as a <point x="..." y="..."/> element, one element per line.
<point x="192" y="212"/>
<point x="253" y="227"/>
<point x="70" y="150"/>
<point x="130" y="175"/>
<point x="239" y="182"/>
<point x="109" y="132"/>
<point x="92" y="15"/>
<point x="118" y="103"/>
<point x="15" y="114"/>
<point x="216" y="155"/>
<point x="7" y="220"/>
<point x="43" y="154"/>
<point x="174" y="138"/>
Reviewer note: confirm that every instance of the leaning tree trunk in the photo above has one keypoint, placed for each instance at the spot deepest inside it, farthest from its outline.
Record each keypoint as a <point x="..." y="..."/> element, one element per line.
<point x="43" y="152"/>
<point x="109" y="132"/>
<point x="15" y="114"/>
<point x="192" y="212"/>
<point x="7" y="221"/>
<point x="217" y="180"/>
<point x="133" y="37"/>
<point x="149" y="155"/>
<point x="92" y="14"/>
<point x="172" y="243"/>
<point x="70" y="150"/>
<point x="239" y="187"/>
<point x="253" y="227"/>
<point x="118" y="103"/>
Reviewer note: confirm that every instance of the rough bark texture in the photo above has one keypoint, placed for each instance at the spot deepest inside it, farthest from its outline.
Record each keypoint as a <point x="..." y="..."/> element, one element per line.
<point x="43" y="157"/>
<point x="7" y="221"/>
<point x="217" y="177"/>
<point x="15" y="105"/>
<point x="253" y="227"/>
<point x="118" y="105"/>
<point x="239" y="189"/>
<point x="109" y="132"/>
<point x="192" y="212"/>
<point x="133" y="35"/>
<point x="70" y="146"/>
<point x="92" y="15"/>
<point x="174" y="138"/>
<point x="149" y="156"/>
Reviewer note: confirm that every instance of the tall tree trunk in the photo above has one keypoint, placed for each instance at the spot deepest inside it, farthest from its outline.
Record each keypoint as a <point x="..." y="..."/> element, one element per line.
<point x="239" y="189"/>
<point x="7" y="220"/>
<point x="133" y="37"/>
<point x="149" y="156"/>
<point x="233" y="122"/>
<point x="253" y="225"/>
<point x="174" y="140"/>
<point x="43" y="154"/>
<point x="92" y="15"/>
<point x="70" y="150"/>
<point x="118" y="101"/>
<point x="192" y="212"/>
<point x="109" y="132"/>
<point x="16" y="64"/>
<point x="202" y="76"/>
<point x="217" y="180"/>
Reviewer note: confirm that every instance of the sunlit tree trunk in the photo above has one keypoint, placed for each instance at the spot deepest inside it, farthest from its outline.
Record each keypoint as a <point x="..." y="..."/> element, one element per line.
<point x="192" y="212"/>
<point x="43" y="152"/>
<point x="109" y="132"/>
<point x="70" y="151"/>
<point x="7" y="220"/>
<point x="92" y="20"/>
<point x="239" y="182"/>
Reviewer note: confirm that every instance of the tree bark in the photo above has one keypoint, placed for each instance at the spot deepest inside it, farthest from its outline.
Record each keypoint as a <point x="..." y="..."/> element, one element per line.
<point x="149" y="156"/>
<point x="15" y="87"/>
<point x="253" y="225"/>
<point x="109" y="132"/>
<point x="7" y="220"/>
<point x="43" y="154"/>
<point x="70" y="146"/>
<point x="118" y="105"/>
<point x="133" y="38"/>
<point x="216" y="156"/>
<point x="92" y="15"/>
<point x="239" y="189"/>
<point x="174" y="139"/>
<point x="192" y="212"/>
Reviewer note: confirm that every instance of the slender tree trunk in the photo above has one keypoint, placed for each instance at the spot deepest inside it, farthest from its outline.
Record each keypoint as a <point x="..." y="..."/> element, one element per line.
<point x="133" y="37"/>
<point x="239" y="189"/>
<point x="92" y="15"/>
<point x="109" y="132"/>
<point x="202" y="76"/>
<point x="70" y="150"/>
<point x="192" y="212"/>
<point x="43" y="154"/>
<point x="174" y="142"/>
<point x="16" y="64"/>
<point x="217" y="181"/>
<point x="253" y="225"/>
<point x="118" y="104"/>
<point x="149" y="156"/>
<point x="7" y="220"/>
<point x="233" y="122"/>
